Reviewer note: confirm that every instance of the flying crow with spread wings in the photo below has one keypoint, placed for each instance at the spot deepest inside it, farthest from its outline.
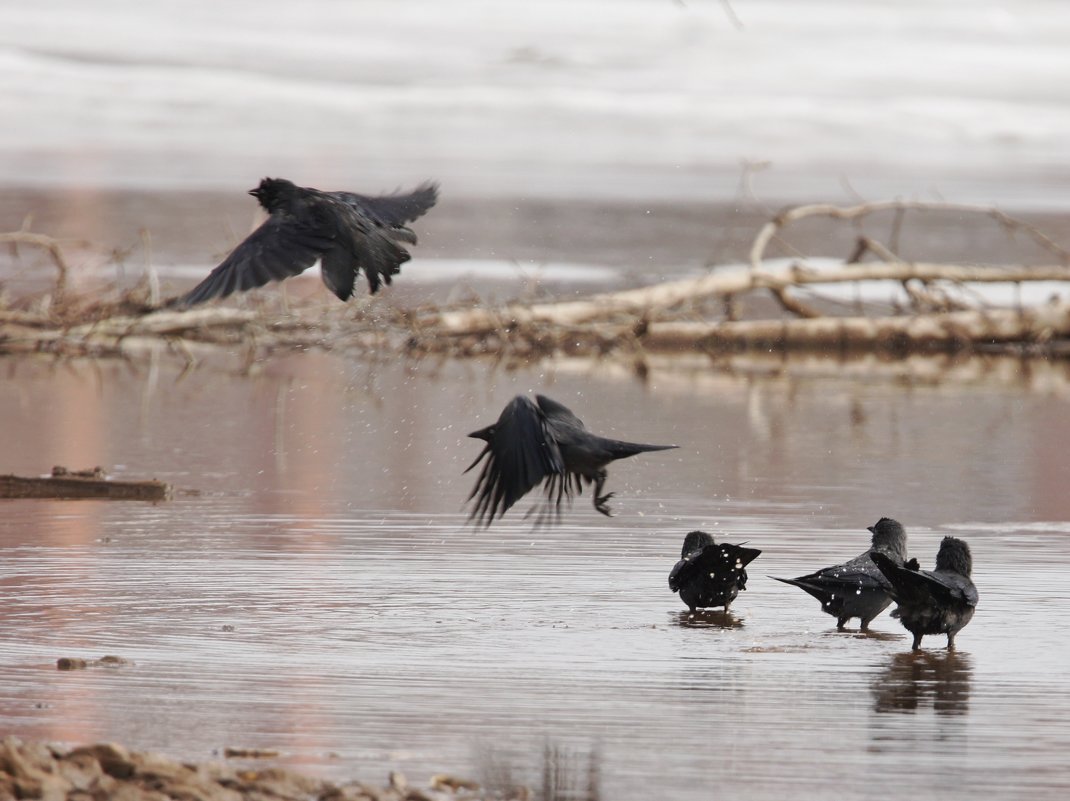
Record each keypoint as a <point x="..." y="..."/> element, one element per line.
<point x="857" y="588"/>
<point x="343" y="231"/>
<point x="710" y="574"/>
<point x="542" y="442"/>
<point x="940" y="601"/>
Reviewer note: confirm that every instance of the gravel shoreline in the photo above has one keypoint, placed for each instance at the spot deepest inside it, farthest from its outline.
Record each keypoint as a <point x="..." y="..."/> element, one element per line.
<point x="110" y="771"/>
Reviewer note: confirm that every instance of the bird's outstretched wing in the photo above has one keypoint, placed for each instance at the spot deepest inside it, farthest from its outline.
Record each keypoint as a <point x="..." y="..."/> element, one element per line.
<point x="839" y="581"/>
<point x="557" y="412"/>
<point x="520" y="453"/>
<point x="393" y="211"/>
<point x="859" y="572"/>
<point x="280" y="248"/>
<point x="719" y="561"/>
<point x="917" y="585"/>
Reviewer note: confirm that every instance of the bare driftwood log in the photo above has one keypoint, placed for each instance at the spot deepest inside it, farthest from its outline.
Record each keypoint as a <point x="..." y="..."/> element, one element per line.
<point x="938" y="320"/>
<point x="165" y="323"/>
<point x="24" y="333"/>
<point x="83" y="484"/>
<point x="942" y="305"/>
<point x="947" y="331"/>
<point x="648" y="301"/>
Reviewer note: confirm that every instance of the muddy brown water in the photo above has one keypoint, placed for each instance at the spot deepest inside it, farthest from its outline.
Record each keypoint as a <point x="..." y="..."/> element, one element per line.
<point x="321" y="596"/>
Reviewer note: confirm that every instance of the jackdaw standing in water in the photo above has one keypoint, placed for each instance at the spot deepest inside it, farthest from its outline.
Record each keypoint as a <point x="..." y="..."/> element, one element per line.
<point x="537" y="442"/>
<point x="940" y="601"/>
<point x="345" y="232"/>
<point x="709" y="574"/>
<point x="856" y="588"/>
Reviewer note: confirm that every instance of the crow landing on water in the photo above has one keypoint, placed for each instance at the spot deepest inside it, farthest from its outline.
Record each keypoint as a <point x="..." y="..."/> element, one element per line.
<point x="709" y="574"/>
<point x="856" y="588"/>
<point x="544" y="442"/>
<point x="346" y="232"/>
<point x="940" y="601"/>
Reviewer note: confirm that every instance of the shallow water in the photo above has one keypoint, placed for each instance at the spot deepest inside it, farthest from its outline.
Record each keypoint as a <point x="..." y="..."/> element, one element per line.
<point x="322" y="597"/>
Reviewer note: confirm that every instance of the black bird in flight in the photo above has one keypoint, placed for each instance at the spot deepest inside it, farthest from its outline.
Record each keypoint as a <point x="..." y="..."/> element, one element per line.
<point x="542" y="442"/>
<point x="939" y="601"/>
<point x="857" y="588"/>
<point x="709" y="574"/>
<point x="344" y="231"/>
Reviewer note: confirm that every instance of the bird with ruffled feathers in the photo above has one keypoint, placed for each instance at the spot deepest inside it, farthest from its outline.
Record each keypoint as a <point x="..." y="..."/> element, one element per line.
<point x="857" y="588"/>
<point x="343" y="231"/>
<point x="542" y="442"/>
<point x="940" y="601"/>
<point x="710" y="574"/>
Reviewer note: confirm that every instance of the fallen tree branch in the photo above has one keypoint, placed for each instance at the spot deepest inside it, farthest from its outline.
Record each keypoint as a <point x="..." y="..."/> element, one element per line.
<point x="946" y="331"/>
<point x="47" y="243"/>
<point x="793" y="215"/>
<point x="631" y="321"/>
<point x="653" y="299"/>
<point x="166" y="323"/>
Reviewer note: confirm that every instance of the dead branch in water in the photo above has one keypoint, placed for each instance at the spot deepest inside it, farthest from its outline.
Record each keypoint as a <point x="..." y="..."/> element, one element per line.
<point x="936" y="319"/>
<point x="950" y="331"/>
<point x="81" y="485"/>
<point x="653" y="300"/>
<point x="932" y="312"/>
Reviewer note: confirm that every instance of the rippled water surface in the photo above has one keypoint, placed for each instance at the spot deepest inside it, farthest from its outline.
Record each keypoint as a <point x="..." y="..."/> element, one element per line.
<point x="313" y="589"/>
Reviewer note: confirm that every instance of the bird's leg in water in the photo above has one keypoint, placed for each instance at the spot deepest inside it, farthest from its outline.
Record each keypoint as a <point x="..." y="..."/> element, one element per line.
<point x="600" y="500"/>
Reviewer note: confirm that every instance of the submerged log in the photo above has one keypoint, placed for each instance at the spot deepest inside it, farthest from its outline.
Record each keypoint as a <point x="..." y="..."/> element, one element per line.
<point x="78" y="663"/>
<point x="659" y="297"/>
<point x="80" y="485"/>
<point x="946" y="331"/>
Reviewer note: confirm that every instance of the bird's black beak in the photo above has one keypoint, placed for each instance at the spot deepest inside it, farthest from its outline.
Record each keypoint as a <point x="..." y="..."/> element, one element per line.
<point x="255" y="193"/>
<point x="871" y="529"/>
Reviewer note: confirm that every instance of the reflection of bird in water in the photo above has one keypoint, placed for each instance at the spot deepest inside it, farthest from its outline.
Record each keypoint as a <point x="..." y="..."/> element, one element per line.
<point x="709" y="574"/>
<point x="940" y="601"/>
<point x="707" y="619"/>
<point x="542" y="441"/>
<point x="916" y="678"/>
<point x="856" y="588"/>
<point x="344" y="231"/>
